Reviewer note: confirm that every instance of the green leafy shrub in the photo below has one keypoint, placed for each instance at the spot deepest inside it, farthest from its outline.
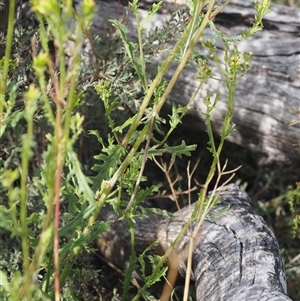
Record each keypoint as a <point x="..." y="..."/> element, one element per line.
<point x="52" y="187"/>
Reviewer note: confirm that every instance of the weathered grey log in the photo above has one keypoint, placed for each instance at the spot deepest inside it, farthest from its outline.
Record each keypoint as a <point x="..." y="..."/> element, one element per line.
<point x="265" y="97"/>
<point x="236" y="256"/>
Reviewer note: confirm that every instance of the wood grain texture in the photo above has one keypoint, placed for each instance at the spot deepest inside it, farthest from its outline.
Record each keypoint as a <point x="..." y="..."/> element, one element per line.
<point x="265" y="97"/>
<point x="236" y="256"/>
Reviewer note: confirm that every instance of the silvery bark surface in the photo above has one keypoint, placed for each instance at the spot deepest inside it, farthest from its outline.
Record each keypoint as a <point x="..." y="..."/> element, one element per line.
<point x="235" y="257"/>
<point x="266" y="98"/>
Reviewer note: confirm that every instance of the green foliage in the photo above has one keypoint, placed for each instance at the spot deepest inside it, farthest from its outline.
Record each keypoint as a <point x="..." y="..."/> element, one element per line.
<point x="49" y="204"/>
<point x="294" y="202"/>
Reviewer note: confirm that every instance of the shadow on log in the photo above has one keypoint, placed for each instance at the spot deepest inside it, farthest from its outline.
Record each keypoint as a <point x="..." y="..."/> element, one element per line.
<point x="236" y="256"/>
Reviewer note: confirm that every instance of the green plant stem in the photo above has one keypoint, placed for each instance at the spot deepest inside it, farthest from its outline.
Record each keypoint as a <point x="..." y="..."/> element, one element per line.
<point x="140" y="42"/>
<point x="231" y="86"/>
<point x="73" y="80"/>
<point x="201" y="211"/>
<point x="192" y="25"/>
<point x="187" y="53"/>
<point x="132" y="262"/>
<point x="219" y="9"/>
<point x="9" y="39"/>
<point x="154" y="84"/>
<point x="23" y="206"/>
<point x="40" y="248"/>
<point x="59" y="281"/>
<point x="137" y="184"/>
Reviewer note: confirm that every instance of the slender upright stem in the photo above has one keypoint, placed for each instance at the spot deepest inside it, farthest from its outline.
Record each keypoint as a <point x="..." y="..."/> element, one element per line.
<point x="9" y="39"/>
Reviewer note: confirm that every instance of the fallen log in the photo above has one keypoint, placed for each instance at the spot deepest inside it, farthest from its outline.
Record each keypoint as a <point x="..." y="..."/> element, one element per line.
<point x="235" y="257"/>
<point x="267" y="98"/>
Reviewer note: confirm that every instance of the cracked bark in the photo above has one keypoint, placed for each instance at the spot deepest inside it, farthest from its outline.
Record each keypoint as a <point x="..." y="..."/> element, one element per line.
<point x="236" y="255"/>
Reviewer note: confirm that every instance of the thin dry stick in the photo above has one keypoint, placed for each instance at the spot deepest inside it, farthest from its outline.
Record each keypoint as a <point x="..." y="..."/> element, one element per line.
<point x="190" y="175"/>
<point x="223" y="172"/>
<point x="174" y="257"/>
<point x="188" y="268"/>
<point x="166" y="170"/>
<point x="168" y="196"/>
<point x="214" y="195"/>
